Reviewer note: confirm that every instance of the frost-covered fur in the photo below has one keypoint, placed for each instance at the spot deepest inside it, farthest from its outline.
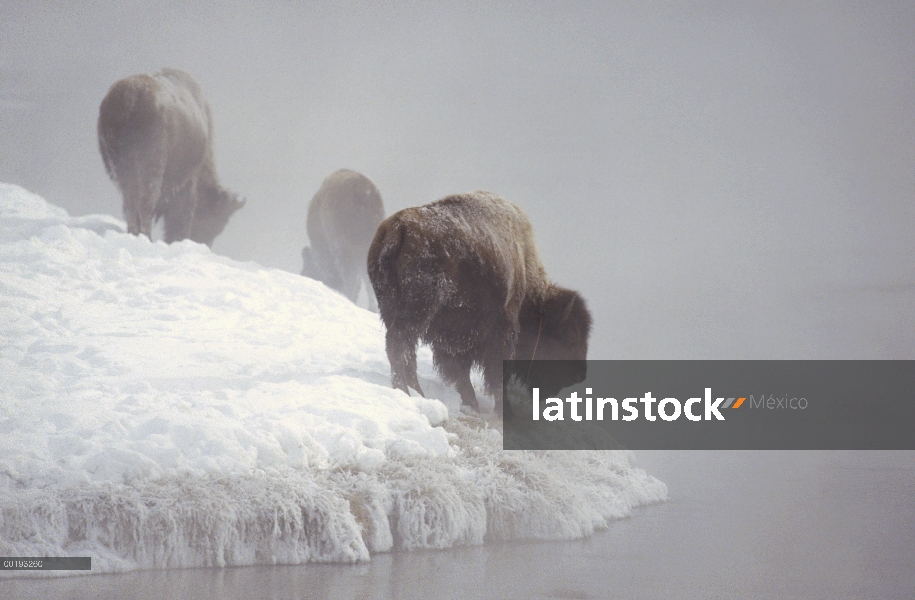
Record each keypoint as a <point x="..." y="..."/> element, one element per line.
<point x="463" y="275"/>
<point x="156" y="138"/>
<point x="342" y="219"/>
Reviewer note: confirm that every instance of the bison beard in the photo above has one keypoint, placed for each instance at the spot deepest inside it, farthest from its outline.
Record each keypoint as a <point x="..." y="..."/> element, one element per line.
<point x="156" y="138"/>
<point x="463" y="275"/>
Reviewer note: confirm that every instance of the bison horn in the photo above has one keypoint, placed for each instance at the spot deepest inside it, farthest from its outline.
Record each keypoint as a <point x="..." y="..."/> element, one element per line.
<point x="568" y="310"/>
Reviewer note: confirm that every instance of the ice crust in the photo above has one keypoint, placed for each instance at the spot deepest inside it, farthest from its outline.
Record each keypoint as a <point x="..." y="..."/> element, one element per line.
<point x="162" y="406"/>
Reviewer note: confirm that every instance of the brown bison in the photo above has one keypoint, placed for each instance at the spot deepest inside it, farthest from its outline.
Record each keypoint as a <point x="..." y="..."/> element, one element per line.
<point x="342" y="219"/>
<point x="155" y="133"/>
<point x="463" y="275"/>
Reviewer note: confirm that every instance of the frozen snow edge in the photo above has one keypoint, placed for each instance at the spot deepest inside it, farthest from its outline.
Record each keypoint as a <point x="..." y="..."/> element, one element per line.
<point x="295" y="516"/>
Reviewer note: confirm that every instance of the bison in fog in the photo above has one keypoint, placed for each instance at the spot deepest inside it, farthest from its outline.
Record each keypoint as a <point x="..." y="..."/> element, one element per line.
<point x="463" y="275"/>
<point x="155" y="134"/>
<point x="342" y="219"/>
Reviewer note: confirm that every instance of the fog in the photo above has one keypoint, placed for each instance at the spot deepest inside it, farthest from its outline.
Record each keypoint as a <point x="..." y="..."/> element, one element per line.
<point x="718" y="180"/>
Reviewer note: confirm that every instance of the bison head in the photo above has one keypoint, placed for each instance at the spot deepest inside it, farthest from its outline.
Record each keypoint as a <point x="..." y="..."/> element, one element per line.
<point x="215" y="206"/>
<point x="556" y="329"/>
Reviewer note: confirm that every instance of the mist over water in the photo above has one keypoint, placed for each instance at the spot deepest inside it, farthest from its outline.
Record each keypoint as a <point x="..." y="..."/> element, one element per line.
<point x="719" y="180"/>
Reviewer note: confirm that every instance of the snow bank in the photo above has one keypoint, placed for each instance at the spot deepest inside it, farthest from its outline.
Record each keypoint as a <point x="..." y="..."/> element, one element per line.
<point x="162" y="406"/>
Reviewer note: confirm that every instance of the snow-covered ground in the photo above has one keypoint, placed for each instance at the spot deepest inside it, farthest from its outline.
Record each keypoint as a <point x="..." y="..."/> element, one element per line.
<point x="163" y="406"/>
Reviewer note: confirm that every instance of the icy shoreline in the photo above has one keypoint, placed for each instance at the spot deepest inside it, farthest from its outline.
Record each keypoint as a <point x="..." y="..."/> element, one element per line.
<point x="165" y="407"/>
<point x="335" y="515"/>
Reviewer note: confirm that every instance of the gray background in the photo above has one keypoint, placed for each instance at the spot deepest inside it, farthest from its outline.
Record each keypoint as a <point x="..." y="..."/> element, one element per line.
<point x="720" y="180"/>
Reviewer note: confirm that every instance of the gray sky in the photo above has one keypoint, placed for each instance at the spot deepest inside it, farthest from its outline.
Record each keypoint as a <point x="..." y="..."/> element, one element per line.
<point x="722" y="180"/>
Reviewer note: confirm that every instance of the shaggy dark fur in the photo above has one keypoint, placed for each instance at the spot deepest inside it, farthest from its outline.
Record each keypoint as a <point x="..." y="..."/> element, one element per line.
<point x="342" y="219"/>
<point x="463" y="275"/>
<point x="155" y="134"/>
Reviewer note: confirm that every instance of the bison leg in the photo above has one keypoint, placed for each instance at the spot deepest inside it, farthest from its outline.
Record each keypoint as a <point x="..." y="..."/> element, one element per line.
<point x="323" y="255"/>
<point x="137" y="165"/>
<point x="141" y="186"/>
<point x="401" y="349"/>
<point x="455" y="369"/>
<point x="138" y="212"/>
<point x="179" y="212"/>
<point x="492" y="377"/>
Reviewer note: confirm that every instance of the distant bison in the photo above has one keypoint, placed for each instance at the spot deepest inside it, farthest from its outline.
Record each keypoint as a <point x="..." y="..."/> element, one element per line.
<point x="342" y="220"/>
<point x="463" y="275"/>
<point x="155" y="134"/>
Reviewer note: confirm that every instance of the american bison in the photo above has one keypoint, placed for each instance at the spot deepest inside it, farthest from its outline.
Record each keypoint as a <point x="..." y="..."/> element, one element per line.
<point x="342" y="219"/>
<point x="463" y="275"/>
<point x="155" y="133"/>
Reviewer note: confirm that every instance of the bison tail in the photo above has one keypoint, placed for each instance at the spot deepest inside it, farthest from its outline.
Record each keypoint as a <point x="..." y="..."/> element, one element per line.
<point x="382" y="262"/>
